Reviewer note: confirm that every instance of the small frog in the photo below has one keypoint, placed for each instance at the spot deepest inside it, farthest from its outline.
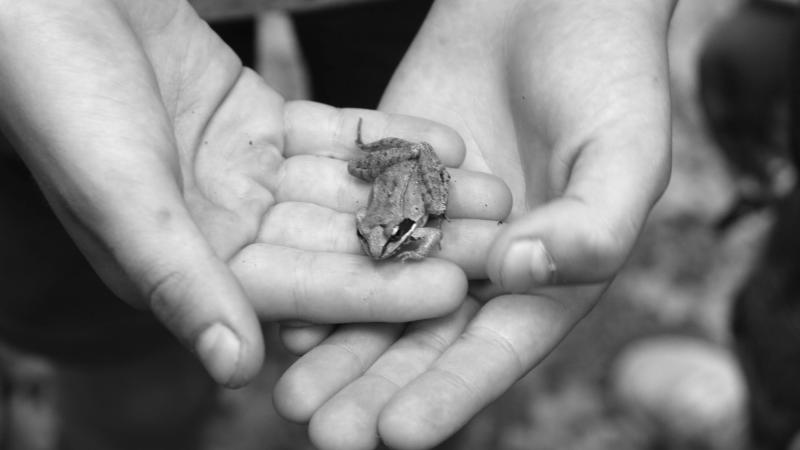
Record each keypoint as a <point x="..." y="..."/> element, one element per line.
<point x="408" y="199"/>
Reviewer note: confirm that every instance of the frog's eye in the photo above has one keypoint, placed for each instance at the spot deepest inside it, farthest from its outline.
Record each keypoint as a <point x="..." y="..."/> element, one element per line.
<point x="402" y="229"/>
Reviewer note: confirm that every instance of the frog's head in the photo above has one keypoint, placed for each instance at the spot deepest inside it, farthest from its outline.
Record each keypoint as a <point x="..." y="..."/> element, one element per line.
<point x="385" y="240"/>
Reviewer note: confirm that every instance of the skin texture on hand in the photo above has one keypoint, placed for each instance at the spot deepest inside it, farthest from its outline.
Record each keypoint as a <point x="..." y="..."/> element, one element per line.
<point x="568" y="102"/>
<point x="196" y="191"/>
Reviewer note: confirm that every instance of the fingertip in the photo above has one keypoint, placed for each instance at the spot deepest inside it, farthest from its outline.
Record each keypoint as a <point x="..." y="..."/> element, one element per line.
<point x="310" y="382"/>
<point x="409" y="422"/>
<point x="219" y="349"/>
<point x="497" y="256"/>
<point x="300" y="338"/>
<point x="564" y="241"/>
<point x="328" y="368"/>
<point x="526" y="264"/>
<point x="232" y="361"/>
<point x="430" y="409"/>
<point x="342" y="423"/>
<point x="331" y="433"/>
<point x="446" y="141"/>
<point x="478" y="195"/>
<point x="292" y="398"/>
<point x="204" y="306"/>
<point x="455" y="292"/>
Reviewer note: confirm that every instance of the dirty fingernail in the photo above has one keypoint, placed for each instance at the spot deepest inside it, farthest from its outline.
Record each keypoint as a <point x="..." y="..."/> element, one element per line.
<point x="218" y="348"/>
<point x="527" y="264"/>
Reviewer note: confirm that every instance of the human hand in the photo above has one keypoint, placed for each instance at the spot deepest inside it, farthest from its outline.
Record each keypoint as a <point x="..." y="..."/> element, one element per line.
<point x="192" y="187"/>
<point x="568" y="102"/>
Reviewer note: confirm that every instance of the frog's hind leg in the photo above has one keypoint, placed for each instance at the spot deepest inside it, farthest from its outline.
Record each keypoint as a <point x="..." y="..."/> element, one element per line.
<point x="382" y="144"/>
<point x="374" y="164"/>
<point x="425" y="240"/>
<point x="436" y="179"/>
<point x="381" y="154"/>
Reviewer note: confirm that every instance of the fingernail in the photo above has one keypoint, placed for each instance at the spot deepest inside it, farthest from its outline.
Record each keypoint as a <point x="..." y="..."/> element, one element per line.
<point x="218" y="348"/>
<point x="527" y="264"/>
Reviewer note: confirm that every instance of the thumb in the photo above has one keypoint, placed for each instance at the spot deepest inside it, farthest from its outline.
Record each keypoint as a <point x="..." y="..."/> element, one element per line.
<point x="586" y="234"/>
<point x="146" y="246"/>
<point x="196" y="296"/>
<point x="91" y="123"/>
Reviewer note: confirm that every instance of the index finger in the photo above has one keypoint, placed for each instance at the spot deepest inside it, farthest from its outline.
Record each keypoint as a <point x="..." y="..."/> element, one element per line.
<point x="318" y="129"/>
<point x="325" y="287"/>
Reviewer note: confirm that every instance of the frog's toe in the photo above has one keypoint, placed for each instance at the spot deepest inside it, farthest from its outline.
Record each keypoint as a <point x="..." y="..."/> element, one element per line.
<point x="412" y="255"/>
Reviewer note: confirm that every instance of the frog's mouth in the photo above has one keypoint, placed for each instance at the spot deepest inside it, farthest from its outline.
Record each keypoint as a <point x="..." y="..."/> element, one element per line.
<point x="398" y="235"/>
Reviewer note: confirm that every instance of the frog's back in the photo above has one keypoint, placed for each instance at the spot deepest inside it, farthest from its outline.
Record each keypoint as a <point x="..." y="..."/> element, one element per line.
<point x="397" y="194"/>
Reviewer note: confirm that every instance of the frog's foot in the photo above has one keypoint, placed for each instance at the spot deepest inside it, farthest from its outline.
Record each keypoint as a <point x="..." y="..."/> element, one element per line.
<point x="380" y="144"/>
<point x="435" y="221"/>
<point x="436" y="179"/>
<point x="375" y="163"/>
<point x="424" y="241"/>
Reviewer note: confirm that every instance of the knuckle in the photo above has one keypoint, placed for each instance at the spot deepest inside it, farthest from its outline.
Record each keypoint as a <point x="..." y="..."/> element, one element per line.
<point x="502" y="347"/>
<point x="608" y="249"/>
<point x="163" y="291"/>
<point x="456" y="383"/>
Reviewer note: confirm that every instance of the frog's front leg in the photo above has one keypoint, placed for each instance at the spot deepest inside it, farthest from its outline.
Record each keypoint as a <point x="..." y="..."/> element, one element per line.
<point x="422" y="241"/>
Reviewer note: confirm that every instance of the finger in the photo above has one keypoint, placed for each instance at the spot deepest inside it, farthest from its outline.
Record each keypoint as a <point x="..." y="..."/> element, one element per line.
<point x="587" y="233"/>
<point x="318" y="375"/>
<point x="326" y="182"/>
<point x="106" y="158"/>
<point x="610" y="156"/>
<point x="466" y="243"/>
<point x="187" y="286"/>
<point x="313" y="228"/>
<point x="300" y="337"/>
<point x="320" y="287"/>
<point x="349" y="419"/>
<point x="507" y="338"/>
<point x="318" y="129"/>
<point x="309" y="227"/>
<point x="171" y="269"/>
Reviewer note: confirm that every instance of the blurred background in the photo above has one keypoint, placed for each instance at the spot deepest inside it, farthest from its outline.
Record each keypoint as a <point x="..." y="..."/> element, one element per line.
<point x="655" y="365"/>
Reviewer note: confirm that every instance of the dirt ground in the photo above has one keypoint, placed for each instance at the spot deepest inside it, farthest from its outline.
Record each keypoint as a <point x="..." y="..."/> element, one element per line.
<point x="678" y="282"/>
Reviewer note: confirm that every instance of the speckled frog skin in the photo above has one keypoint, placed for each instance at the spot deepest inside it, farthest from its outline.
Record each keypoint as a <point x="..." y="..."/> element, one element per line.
<point x="408" y="199"/>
